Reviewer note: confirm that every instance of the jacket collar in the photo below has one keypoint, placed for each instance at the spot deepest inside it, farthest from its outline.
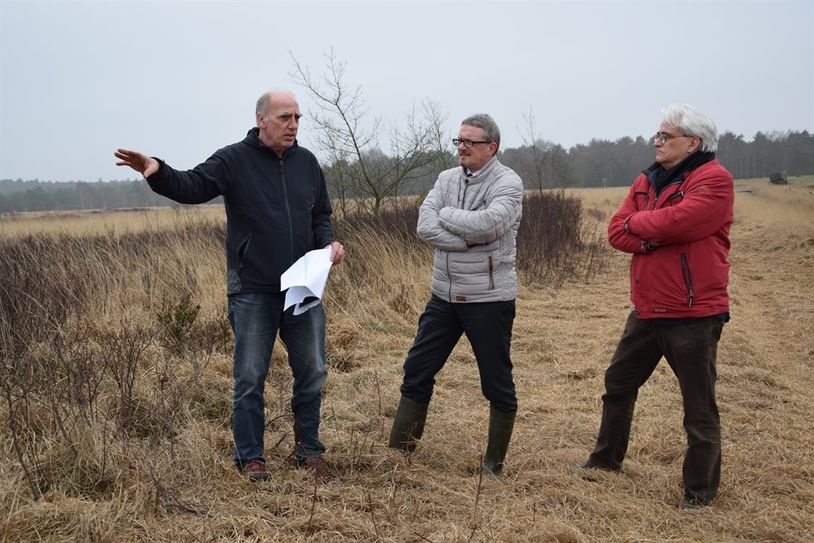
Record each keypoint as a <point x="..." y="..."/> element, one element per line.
<point x="660" y="178"/>
<point x="483" y="173"/>
<point x="253" y="139"/>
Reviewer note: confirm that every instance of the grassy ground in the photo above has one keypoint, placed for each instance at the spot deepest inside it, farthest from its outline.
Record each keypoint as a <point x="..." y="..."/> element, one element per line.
<point x="179" y="485"/>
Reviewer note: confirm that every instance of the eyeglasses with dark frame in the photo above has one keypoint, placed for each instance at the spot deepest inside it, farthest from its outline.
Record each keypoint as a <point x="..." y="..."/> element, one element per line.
<point x="664" y="137"/>
<point x="467" y="143"/>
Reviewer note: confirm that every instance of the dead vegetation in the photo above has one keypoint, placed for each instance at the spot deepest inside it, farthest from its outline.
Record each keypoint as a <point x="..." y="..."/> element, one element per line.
<point x="116" y="393"/>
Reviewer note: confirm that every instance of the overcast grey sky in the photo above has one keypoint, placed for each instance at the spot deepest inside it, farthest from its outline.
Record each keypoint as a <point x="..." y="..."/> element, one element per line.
<point x="178" y="79"/>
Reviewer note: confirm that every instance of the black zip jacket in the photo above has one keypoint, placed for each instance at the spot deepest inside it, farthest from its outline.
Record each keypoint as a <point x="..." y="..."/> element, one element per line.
<point x="277" y="209"/>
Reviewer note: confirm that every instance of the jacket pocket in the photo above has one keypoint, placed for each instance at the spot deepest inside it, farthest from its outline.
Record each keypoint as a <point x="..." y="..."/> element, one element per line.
<point x="686" y="274"/>
<point x="642" y="199"/>
<point x="491" y="274"/>
<point x="242" y="249"/>
<point x="675" y="198"/>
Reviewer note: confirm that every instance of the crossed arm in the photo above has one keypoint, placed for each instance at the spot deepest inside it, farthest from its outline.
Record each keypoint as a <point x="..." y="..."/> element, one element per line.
<point x="702" y="210"/>
<point x="453" y="229"/>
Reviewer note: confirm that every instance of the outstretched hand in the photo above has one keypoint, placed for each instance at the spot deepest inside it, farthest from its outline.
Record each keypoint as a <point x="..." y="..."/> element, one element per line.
<point x="145" y="165"/>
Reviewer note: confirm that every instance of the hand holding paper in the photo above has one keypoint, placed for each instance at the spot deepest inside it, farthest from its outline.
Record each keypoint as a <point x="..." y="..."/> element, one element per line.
<point x="306" y="278"/>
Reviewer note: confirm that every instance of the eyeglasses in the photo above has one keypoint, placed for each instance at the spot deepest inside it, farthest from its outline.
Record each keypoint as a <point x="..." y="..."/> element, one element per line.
<point x="467" y="143"/>
<point x="664" y="137"/>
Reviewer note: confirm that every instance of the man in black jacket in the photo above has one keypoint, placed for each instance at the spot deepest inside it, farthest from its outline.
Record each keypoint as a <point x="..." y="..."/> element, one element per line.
<point x="277" y="209"/>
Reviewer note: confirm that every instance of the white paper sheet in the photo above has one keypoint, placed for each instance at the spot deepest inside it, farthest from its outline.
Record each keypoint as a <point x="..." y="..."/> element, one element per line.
<point x="306" y="278"/>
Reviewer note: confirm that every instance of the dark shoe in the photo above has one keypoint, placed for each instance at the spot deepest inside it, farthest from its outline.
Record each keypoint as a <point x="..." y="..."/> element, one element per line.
<point x="501" y="426"/>
<point x="408" y="425"/>
<point x="588" y="470"/>
<point x="255" y="470"/>
<point x="319" y="467"/>
<point x="690" y="503"/>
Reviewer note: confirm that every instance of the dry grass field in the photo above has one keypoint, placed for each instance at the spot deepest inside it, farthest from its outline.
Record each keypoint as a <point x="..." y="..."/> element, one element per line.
<point x="147" y="457"/>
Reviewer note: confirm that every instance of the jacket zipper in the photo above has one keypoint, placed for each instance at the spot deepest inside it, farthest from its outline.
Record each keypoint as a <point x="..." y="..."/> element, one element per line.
<point x="461" y="200"/>
<point x="687" y="275"/>
<point x="288" y="212"/>
<point x="491" y="277"/>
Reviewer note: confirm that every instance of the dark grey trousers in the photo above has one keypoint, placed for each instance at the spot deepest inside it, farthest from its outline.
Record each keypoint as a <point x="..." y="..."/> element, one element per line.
<point x="690" y="350"/>
<point x="488" y="327"/>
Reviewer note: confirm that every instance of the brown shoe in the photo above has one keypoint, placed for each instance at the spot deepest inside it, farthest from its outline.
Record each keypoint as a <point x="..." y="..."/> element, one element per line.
<point x="319" y="467"/>
<point x="256" y="470"/>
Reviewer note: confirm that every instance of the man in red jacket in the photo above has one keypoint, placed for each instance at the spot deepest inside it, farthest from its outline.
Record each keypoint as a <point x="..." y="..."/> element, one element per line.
<point x="675" y="221"/>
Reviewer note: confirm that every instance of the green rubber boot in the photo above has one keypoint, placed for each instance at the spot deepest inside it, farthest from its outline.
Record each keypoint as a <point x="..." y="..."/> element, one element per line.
<point x="501" y="425"/>
<point x="408" y="425"/>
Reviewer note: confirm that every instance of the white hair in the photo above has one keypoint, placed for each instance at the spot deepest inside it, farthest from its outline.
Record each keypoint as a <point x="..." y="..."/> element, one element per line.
<point x="692" y="122"/>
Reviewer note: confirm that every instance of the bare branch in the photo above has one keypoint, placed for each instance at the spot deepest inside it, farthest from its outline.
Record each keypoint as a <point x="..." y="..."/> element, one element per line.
<point x="351" y="136"/>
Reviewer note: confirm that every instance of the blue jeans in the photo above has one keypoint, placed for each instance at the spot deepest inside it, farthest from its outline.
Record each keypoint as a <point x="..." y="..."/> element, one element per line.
<point x="256" y="318"/>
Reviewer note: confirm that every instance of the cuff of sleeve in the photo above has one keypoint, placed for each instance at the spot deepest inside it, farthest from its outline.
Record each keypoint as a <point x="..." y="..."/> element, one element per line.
<point x="156" y="173"/>
<point x="646" y="246"/>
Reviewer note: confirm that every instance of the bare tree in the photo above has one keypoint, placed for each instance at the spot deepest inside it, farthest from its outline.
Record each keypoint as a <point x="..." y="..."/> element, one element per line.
<point x="338" y="176"/>
<point x="351" y="138"/>
<point x="443" y="158"/>
<point x="536" y="157"/>
<point x="542" y="164"/>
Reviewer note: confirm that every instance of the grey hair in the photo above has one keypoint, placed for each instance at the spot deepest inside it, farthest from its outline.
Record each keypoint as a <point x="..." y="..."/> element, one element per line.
<point x="486" y="123"/>
<point x="692" y="122"/>
<point x="265" y="99"/>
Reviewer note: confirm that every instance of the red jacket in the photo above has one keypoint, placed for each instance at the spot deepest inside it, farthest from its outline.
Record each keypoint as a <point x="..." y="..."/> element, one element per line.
<point x="680" y="243"/>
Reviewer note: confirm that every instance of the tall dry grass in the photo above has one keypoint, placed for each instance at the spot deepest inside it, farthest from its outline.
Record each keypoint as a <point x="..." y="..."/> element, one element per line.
<point x="114" y="222"/>
<point x="116" y="392"/>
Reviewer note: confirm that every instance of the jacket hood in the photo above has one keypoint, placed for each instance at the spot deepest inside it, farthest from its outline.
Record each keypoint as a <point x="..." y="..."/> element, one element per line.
<point x="252" y="139"/>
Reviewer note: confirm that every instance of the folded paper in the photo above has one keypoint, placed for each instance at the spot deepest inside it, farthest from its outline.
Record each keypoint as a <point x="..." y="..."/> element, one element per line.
<point x="305" y="280"/>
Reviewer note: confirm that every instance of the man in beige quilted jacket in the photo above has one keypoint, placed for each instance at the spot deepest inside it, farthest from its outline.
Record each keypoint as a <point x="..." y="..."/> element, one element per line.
<point x="470" y="217"/>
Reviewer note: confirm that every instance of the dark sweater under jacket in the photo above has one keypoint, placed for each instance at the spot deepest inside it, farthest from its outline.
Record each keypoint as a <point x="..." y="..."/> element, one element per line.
<point x="277" y="209"/>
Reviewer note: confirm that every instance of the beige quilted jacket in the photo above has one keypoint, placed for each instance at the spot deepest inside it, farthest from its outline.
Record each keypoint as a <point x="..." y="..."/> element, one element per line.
<point x="472" y="222"/>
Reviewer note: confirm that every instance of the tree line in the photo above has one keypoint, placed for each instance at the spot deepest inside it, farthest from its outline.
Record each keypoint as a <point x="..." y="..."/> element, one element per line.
<point x="540" y="163"/>
<point x="18" y="195"/>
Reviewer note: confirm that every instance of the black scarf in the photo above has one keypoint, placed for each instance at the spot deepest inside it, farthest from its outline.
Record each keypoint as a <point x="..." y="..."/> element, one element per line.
<point x="661" y="178"/>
